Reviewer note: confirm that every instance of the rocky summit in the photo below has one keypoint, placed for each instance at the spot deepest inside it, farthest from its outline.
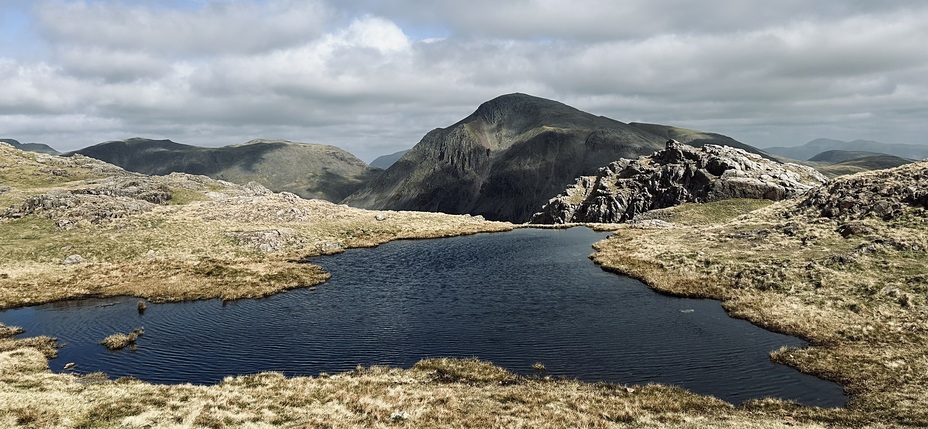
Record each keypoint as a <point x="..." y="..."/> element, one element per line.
<point x="678" y="174"/>
<point x="507" y="159"/>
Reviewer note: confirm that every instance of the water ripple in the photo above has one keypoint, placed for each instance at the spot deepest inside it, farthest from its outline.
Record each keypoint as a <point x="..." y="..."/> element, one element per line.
<point x="511" y="298"/>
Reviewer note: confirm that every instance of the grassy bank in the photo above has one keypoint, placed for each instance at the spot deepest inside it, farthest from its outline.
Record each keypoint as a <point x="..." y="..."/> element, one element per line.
<point x="434" y="393"/>
<point x="854" y="285"/>
<point x="76" y="227"/>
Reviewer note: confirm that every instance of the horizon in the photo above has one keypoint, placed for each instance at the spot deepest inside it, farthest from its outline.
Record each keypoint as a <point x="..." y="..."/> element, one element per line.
<point x="376" y="156"/>
<point x="372" y="77"/>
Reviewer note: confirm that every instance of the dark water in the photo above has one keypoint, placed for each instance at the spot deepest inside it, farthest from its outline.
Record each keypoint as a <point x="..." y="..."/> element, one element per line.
<point x="510" y="298"/>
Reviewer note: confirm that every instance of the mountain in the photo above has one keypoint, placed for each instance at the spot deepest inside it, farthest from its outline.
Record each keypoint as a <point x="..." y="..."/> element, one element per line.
<point x="31" y="147"/>
<point x="836" y="156"/>
<point x="384" y="162"/>
<point x="818" y="146"/>
<point x="505" y="160"/>
<point x="678" y="174"/>
<point x="835" y="163"/>
<point x="308" y="170"/>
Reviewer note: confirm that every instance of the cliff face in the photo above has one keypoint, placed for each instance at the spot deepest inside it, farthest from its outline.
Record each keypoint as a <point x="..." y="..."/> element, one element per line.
<point x="504" y="160"/>
<point x="675" y="175"/>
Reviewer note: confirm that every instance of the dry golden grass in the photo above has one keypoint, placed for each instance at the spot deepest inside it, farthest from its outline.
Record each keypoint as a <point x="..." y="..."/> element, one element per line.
<point x="119" y="341"/>
<point x="212" y="240"/>
<point x="434" y="393"/>
<point x="220" y="240"/>
<point x="860" y="300"/>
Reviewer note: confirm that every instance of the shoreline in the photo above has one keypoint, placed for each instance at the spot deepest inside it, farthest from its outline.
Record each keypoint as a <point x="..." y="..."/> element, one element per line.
<point x="858" y="299"/>
<point x="689" y="407"/>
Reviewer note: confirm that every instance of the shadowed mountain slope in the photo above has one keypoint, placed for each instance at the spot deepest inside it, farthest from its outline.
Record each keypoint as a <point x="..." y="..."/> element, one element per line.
<point x="505" y="160"/>
<point x="384" y="162"/>
<point x="31" y="147"/>
<point x="308" y="170"/>
<point x="835" y="156"/>
<point x="841" y="162"/>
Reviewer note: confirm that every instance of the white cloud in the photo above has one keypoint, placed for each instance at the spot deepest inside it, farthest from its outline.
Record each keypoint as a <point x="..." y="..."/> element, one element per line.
<point x="349" y="73"/>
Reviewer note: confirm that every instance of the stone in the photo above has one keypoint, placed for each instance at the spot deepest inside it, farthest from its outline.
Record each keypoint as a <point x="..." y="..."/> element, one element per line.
<point x="73" y="260"/>
<point x="853" y="228"/>
<point x="883" y="194"/>
<point x="678" y="174"/>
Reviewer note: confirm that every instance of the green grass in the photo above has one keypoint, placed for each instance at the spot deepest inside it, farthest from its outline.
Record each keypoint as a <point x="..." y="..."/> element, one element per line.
<point x="707" y="213"/>
<point x="181" y="196"/>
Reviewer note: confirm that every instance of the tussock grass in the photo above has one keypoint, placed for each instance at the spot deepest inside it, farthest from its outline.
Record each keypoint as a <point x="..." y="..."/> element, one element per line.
<point x="210" y="239"/>
<point x="863" y="310"/>
<point x="460" y="393"/>
<point x="706" y="213"/>
<point x="119" y="341"/>
<point x="860" y="300"/>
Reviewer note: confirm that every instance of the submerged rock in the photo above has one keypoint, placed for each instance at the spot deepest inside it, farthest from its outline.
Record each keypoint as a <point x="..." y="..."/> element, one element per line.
<point x="678" y="174"/>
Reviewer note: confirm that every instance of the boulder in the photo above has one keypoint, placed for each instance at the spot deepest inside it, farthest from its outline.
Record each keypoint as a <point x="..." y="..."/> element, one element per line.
<point x="73" y="260"/>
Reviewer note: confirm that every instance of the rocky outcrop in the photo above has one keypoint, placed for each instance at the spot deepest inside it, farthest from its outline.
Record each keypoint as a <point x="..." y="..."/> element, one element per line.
<point x="675" y="175"/>
<point x="885" y="194"/>
<point x="106" y="193"/>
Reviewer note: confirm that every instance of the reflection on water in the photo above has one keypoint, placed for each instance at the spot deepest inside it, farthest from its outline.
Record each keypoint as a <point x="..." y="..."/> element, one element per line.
<point x="511" y="298"/>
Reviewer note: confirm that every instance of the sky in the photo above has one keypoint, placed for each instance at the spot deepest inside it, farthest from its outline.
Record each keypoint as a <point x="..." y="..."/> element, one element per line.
<point x="372" y="77"/>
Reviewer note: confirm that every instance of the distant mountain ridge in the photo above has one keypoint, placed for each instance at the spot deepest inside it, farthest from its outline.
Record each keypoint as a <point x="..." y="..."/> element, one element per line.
<point x="507" y="158"/>
<point x="384" y="162"/>
<point x="308" y="170"/>
<point x="817" y="146"/>
<point x="31" y="147"/>
<point x="841" y="162"/>
<point x="698" y="138"/>
<point x="835" y="156"/>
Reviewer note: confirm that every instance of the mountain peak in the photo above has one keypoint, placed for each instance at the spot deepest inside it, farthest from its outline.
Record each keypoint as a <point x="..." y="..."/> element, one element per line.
<point x="504" y="160"/>
<point x="517" y="113"/>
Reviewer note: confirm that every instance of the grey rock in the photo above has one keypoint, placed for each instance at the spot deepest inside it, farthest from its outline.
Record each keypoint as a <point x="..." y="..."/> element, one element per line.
<point x="853" y="228"/>
<point x="73" y="260"/>
<point x="884" y="194"/>
<point x="265" y="241"/>
<point x="678" y="174"/>
<point x="380" y="217"/>
<point x="651" y="223"/>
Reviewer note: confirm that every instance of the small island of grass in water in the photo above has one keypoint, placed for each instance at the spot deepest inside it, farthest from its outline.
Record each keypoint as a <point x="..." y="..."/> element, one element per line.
<point x="119" y="341"/>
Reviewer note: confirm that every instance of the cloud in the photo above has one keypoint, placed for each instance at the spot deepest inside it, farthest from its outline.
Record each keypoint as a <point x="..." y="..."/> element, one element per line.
<point x="374" y="76"/>
<point x="211" y="29"/>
